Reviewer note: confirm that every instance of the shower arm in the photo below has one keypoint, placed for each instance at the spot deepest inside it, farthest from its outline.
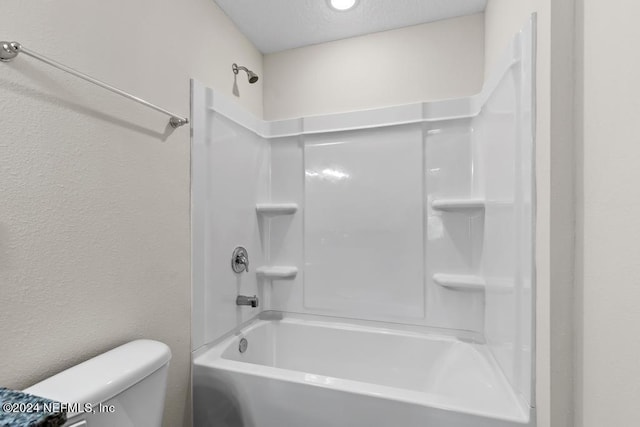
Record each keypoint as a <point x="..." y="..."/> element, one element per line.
<point x="9" y="50"/>
<point x="236" y="68"/>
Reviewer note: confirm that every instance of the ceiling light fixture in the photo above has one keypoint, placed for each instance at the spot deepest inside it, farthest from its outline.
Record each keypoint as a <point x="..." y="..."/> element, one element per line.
<point x="342" y="5"/>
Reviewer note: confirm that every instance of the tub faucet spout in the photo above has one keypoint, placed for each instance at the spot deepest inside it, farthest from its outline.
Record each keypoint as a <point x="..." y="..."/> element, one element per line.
<point x="245" y="300"/>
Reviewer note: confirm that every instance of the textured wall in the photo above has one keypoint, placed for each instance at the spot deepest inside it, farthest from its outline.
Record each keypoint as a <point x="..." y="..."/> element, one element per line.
<point x="94" y="224"/>
<point x="608" y="207"/>
<point x="421" y="63"/>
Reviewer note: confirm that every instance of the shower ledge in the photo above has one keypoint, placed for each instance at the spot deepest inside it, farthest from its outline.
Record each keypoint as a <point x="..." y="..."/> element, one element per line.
<point x="457" y="204"/>
<point x="277" y="272"/>
<point x="460" y="282"/>
<point x="274" y="209"/>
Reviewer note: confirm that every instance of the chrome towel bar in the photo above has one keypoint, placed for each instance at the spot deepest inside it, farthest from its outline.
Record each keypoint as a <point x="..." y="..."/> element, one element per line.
<point x="9" y="50"/>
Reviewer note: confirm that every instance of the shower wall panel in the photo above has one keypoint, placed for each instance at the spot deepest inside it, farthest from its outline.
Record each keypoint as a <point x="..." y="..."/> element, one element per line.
<point x="418" y="214"/>
<point x="230" y="172"/>
<point x="453" y="238"/>
<point x="366" y="239"/>
<point x="286" y="232"/>
<point x="363" y="223"/>
<point x="505" y="140"/>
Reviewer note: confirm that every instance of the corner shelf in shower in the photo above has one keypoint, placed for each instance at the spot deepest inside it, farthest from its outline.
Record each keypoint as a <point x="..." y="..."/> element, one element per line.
<point x="275" y="209"/>
<point x="460" y="282"/>
<point x="277" y="272"/>
<point x="457" y="204"/>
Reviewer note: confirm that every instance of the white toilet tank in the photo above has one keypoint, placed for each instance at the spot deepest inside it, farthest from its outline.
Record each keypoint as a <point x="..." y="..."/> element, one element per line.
<point x="124" y="387"/>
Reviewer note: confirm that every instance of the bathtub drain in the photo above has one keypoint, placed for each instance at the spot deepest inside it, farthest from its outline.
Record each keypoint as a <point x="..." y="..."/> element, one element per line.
<point x="243" y="345"/>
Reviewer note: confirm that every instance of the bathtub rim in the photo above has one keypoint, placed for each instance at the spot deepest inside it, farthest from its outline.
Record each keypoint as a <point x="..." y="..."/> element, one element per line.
<point x="210" y="356"/>
<point x="467" y="336"/>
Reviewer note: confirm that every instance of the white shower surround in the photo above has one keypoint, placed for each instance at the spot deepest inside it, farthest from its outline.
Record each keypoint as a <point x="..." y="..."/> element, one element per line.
<point x="470" y="290"/>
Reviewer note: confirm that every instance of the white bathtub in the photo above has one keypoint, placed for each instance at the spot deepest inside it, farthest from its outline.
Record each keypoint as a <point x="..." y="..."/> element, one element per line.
<point x="313" y="372"/>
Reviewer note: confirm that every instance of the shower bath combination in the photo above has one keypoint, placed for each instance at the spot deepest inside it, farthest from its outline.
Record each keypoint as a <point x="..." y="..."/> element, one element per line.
<point x="391" y="260"/>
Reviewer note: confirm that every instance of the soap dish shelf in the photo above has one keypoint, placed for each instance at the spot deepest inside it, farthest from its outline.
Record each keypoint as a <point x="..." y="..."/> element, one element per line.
<point x="275" y="209"/>
<point x="277" y="272"/>
<point x="460" y="282"/>
<point x="457" y="204"/>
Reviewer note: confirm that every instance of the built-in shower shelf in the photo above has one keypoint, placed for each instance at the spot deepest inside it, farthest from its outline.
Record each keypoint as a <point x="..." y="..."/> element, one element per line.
<point x="275" y="209"/>
<point x="457" y="204"/>
<point x="277" y="272"/>
<point x="460" y="282"/>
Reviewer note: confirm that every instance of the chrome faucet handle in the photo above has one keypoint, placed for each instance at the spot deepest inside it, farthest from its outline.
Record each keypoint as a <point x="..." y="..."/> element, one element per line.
<point x="240" y="260"/>
<point x="244" y="261"/>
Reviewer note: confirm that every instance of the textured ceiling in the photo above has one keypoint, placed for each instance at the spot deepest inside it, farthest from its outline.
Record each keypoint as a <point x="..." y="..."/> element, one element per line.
<point x="275" y="25"/>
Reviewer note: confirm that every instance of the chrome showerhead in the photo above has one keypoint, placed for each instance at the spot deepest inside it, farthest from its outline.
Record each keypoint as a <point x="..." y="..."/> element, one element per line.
<point x="253" y="77"/>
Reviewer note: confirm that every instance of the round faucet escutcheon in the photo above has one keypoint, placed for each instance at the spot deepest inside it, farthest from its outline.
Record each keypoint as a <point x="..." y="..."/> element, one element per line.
<point x="240" y="260"/>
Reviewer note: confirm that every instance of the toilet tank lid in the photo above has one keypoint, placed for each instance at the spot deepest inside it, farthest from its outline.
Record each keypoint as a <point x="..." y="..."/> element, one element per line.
<point x="104" y="376"/>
